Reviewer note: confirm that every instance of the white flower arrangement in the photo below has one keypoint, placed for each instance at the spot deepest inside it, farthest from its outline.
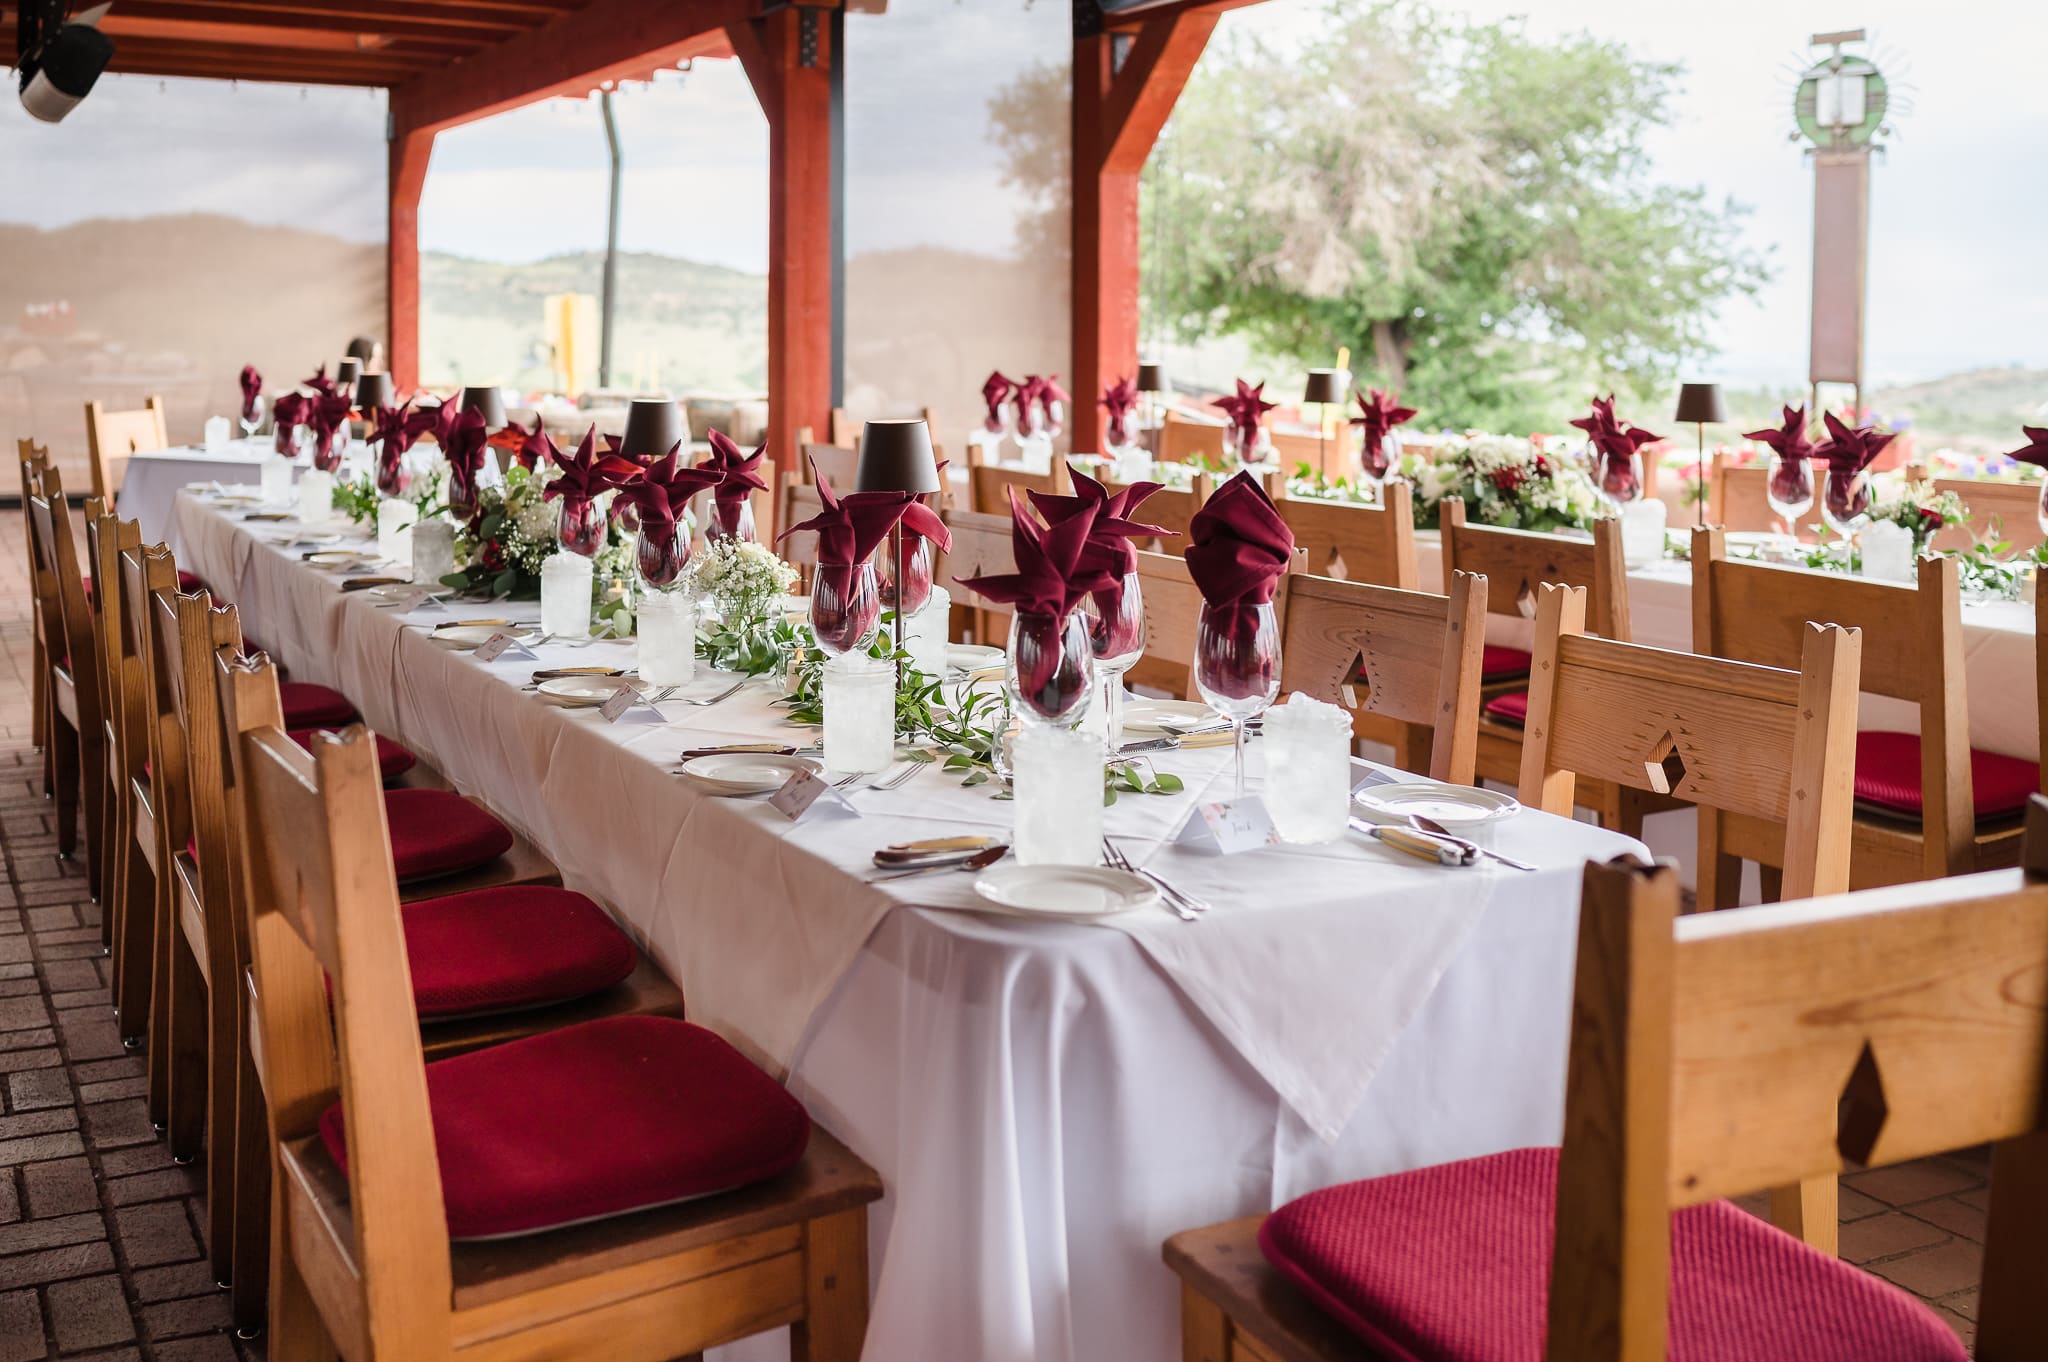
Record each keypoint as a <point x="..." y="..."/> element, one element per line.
<point x="1504" y="480"/>
<point x="742" y="579"/>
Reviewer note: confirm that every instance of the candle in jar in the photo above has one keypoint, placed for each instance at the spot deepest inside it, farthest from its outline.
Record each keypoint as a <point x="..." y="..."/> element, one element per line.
<point x="395" y="517"/>
<point x="433" y="551"/>
<point x="565" y="582"/>
<point x="860" y="712"/>
<point x="668" y="638"/>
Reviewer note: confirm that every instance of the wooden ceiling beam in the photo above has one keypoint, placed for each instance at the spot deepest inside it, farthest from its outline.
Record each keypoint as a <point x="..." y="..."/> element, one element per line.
<point x="495" y="20"/>
<point x="606" y="40"/>
<point x="372" y="66"/>
<point x="284" y="19"/>
<point x="266" y="38"/>
<point x="214" y="69"/>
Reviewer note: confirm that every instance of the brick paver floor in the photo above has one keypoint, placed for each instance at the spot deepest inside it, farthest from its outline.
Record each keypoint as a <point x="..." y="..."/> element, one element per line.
<point x="100" y="1254"/>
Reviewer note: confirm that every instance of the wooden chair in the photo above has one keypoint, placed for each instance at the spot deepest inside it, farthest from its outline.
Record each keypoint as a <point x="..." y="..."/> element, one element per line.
<point x="989" y="485"/>
<point x="1516" y="565"/>
<point x="1709" y="1055"/>
<point x="1405" y="658"/>
<point x="204" y="643"/>
<point x="364" y="1264"/>
<point x="842" y="430"/>
<point x="1170" y="508"/>
<point x="1181" y="438"/>
<point x="2005" y="512"/>
<point x="1913" y="637"/>
<point x="101" y="526"/>
<point x="68" y="674"/>
<point x="113" y="437"/>
<point x="1173" y="620"/>
<point x="981" y="544"/>
<point x="1356" y="542"/>
<point x="34" y="458"/>
<point x="132" y="836"/>
<point x="1737" y="496"/>
<point x="835" y="463"/>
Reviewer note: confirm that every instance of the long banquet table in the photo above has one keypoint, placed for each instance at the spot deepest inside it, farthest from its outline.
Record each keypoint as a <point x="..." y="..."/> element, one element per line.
<point x="1045" y="1102"/>
<point x="153" y="479"/>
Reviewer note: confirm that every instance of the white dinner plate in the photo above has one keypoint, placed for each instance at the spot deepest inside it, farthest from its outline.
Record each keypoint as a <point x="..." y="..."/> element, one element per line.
<point x="584" y="690"/>
<point x="1755" y="540"/>
<point x="1152" y="716"/>
<point x="312" y="539"/>
<point x="467" y="636"/>
<point x="397" y="591"/>
<point x="1451" y="805"/>
<point x="339" y="560"/>
<point x="1076" y="892"/>
<point x="744" y="773"/>
<point x="972" y="657"/>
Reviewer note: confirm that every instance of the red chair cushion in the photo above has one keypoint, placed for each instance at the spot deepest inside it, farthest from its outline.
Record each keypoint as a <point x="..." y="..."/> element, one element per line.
<point x="309" y="706"/>
<point x="509" y="949"/>
<point x="1452" y="1264"/>
<point x="1511" y="708"/>
<point x="1888" y="776"/>
<point x="393" y="761"/>
<point x="596" y="1120"/>
<point x="1499" y="663"/>
<point x="188" y="582"/>
<point x="438" y="832"/>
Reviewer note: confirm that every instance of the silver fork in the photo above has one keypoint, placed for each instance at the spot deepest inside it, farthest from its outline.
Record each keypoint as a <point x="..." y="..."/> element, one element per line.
<point x="902" y="777"/>
<point x="1168" y="898"/>
<point x="845" y="781"/>
<point x="1198" y="905"/>
<point x="725" y="694"/>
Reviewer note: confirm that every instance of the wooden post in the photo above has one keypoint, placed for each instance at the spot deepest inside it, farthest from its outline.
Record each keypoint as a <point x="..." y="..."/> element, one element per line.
<point x="788" y="56"/>
<point x="1118" y="112"/>
<point x="409" y="153"/>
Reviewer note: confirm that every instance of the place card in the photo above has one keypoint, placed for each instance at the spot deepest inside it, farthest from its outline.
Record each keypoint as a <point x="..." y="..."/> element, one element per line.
<point x="628" y="705"/>
<point x="502" y="644"/>
<point x="808" y="793"/>
<point x="1229" y="826"/>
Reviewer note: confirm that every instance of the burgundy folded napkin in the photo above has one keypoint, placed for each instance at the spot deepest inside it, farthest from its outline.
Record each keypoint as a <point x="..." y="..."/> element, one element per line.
<point x="1120" y="399"/>
<point x="994" y="391"/>
<point x="587" y="474"/>
<point x="1238" y="546"/>
<point x="438" y="421"/>
<point x="2035" y="451"/>
<point x="1109" y="538"/>
<point x="328" y="412"/>
<point x="1613" y="438"/>
<point x="463" y="447"/>
<point x="1378" y="413"/>
<point x="533" y="447"/>
<point x="1050" y="394"/>
<point x="288" y="413"/>
<point x="319" y="382"/>
<point x="1849" y="451"/>
<point x="852" y="527"/>
<point x="663" y="489"/>
<point x="1025" y="395"/>
<point x="252" y="389"/>
<point x="393" y="426"/>
<point x="1245" y="407"/>
<point x="1789" y="439"/>
<point x="1051" y="576"/>
<point x="740" y="472"/>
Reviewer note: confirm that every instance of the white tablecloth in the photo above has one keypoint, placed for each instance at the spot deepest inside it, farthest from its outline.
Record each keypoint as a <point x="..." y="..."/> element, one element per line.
<point x="1045" y="1103"/>
<point x="151" y="484"/>
<point x="1998" y="651"/>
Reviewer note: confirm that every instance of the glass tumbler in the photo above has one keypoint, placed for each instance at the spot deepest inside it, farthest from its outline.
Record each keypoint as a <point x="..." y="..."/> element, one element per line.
<point x="1058" y="781"/>
<point x="1308" y="769"/>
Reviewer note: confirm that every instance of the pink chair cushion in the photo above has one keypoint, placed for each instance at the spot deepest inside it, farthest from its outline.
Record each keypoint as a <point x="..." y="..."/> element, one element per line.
<point x="1452" y="1264"/>
<point x="188" y="582"/>
<point x="1888" y="776"/>
<point x="438" y="832"/>
<point x="1511" y="708"/>
<point x="309" y="706"/>
<point x="1499" y="663"/>
<point x="509" y="949"/>
<point x="596" y="1120"/>
<point x="393" y="761"/>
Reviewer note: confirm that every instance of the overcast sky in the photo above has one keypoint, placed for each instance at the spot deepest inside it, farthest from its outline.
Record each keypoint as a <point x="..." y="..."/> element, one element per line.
<point x="1958" y="274"/>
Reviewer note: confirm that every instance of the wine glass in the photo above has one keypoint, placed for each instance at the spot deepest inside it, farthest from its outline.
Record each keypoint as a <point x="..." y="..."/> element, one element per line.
<point x="252" y="416"/>
<point x="1376" y="462"/>
<point x="732" y="519"/>
<point x="328" y="446"/>
<point x="391" y="478"/>
<point x="918" y="557"/>
<point x="846" y="605"/>
<point x="1621" y="477"/>
<point x="1051" y="667"/>
<point x="1116" y="638"/>
<point x="1789" y="489"/>
<point x="2041" y="510"/>
<point x="1237" y="666"/>
<point x="663" y="551"/>
<point x="1844" y="500"/>
<point x="581" y="527"/>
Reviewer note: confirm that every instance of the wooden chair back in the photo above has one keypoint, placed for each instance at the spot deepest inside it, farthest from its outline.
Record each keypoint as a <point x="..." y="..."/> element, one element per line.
<point x="834" y="463"/>
<point x="1518" y="563"/>
<point x="1295" y="447"/>
<point x="1738" y="497"/>
<point x="799" y="502"/>
<point x="1173" y="619"/>
<point x="981" y="544"/>
<point x="322" y="909"/>
<point x="163" y="676"/>
<point x="208" y="637"/>
<point x="105" y="536"/>
<point x="42" y="489"/>
<point x="121" y="663"/>
<point x="1719" y="1054"/>
<point x="1757" y="740"/>
<point x="989" y="485"/>
<point x="842" y="429"/>
<point x="1170" y="508"/>
<point x="113" y="437"/>
<point x="1403" y="655"/>
<point x="1181" y="438"/>
<point x="1355" y="542"/>
<point x="2007" y="512"/>
<point x="1912" y="646"/>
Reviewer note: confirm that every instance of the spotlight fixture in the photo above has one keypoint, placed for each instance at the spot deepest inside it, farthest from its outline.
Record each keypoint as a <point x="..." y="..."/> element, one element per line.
<point x="59" y="61"/>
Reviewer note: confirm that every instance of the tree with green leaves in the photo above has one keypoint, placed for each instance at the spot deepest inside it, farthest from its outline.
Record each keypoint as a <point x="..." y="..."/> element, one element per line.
<point x="1469" y="208"/>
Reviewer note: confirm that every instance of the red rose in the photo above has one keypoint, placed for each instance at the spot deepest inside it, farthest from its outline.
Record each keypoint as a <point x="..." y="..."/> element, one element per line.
<point x="1930" y="521"/>
<point x="1508" y="479"/>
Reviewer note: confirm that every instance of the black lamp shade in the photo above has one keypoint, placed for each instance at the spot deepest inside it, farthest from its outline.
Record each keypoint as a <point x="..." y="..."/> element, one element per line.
<point x="489" y="401"/>
<point x="654" y="426"/>
<point x="896" y="456"/>
<point x="348" y="371"/>
<point x="374" y="390"/>
<point x="1152" y="378"/>
<point x="1327" y="386"/>
<point x="1700" y="402"/>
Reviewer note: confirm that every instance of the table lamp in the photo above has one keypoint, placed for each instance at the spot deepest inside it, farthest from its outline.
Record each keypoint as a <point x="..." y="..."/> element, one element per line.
<point x="1325" y="387"/>
<point x="896" y="456"/>
<point x="654" y="426"/>
<point x="1700" y="403"/>
<point x="373" y="391"/>
<point x="347" y="372"/>
<point x="489" y="401"/>
<point x="1151" y="383"/>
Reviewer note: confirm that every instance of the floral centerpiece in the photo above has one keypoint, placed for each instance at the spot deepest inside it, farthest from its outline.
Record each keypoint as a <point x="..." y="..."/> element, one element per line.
<point x="501" y="547"/>
<point x="1921" y="508"/>
<point x="742" y="582"/>
<point x="1505" y="480"/>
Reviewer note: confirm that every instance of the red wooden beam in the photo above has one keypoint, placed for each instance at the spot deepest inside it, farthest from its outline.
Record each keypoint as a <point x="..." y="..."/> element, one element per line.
<point x="796" y="97"/>
<point x="570" y="55"/>
<point x="407" y="176"/>
<point x="1117" y="118"/>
